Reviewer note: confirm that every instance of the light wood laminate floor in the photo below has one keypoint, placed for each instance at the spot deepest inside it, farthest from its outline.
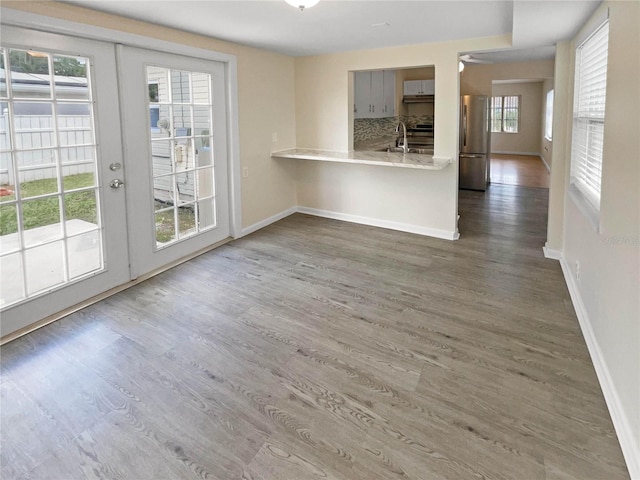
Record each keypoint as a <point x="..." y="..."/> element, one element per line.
<point x="322" y="349"/>
<point x="523" y="170"/>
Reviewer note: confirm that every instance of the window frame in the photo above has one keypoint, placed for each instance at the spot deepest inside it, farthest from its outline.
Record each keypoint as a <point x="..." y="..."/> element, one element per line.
<point x="588" y="126"/>
<point x="502" y="109"/>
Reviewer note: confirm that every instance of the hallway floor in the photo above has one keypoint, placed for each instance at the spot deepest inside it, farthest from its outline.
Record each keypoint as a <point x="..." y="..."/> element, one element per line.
<point x="523" y="170"/>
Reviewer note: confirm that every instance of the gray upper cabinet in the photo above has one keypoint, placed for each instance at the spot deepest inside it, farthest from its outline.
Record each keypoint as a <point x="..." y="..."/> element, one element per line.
<point x="419" y="87"/>
<point x="374" y="94"/>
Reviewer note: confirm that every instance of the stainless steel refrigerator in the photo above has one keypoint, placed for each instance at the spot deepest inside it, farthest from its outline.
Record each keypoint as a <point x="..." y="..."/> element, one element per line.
<point x="475" y="142"/>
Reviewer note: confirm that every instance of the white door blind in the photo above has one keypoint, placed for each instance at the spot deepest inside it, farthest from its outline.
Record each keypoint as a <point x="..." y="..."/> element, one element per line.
<point x="588" y="114"/>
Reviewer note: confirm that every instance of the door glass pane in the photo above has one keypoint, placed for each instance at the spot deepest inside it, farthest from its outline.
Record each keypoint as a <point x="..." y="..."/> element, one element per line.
<point x="44" y="267"/>
<point x="205" y="182"/>
<point x="78" y="176"/>
<point x="180" y="88"/>
<point x="33" y="125"/>
<point x="30" y="75"/>
<point x="8" y="226"/>
<point x="182" y="120"/>
<point x="206" y="213"/>
<point x="5" y="137"/>
<point x="41" y="220"/>
<point x="81" y="209"/>
<point x="74" y="124"/>
<point x="50" y="231"/>
<point x="38" y="181"/>
<point x="71" y="77"/>
<point x="78" y="155"/>
<point x="181" y="152"/>
<point x="84" y="256"/>
<point x="187" y="220"/>
<point x="11" y="276"/>
<point x="3" y="76"/>
<point x="202" y="120"/>
<point x="201" y="88"/>
<point x="165" y="226"/>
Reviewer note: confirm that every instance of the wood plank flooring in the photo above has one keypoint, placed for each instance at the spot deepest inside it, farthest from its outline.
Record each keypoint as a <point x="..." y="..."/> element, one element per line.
<point x="523" y="170"/>
<point x="321" y="349"/>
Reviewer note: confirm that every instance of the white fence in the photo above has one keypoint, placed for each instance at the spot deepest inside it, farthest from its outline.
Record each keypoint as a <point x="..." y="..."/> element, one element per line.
<point x="34" y="142"/>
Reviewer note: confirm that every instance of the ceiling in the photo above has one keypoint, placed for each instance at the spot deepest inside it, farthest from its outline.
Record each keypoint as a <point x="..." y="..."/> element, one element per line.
<point x="345" y="25"/>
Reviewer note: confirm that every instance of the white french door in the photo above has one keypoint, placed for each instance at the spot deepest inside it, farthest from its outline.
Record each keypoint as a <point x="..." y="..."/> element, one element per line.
<point x="77" y="216"/>
<point x="63" y="236"/>
<point x="175" y="137"/>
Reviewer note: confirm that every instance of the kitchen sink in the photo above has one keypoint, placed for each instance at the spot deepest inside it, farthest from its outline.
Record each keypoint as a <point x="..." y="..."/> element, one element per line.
<point x="424" y="151"/>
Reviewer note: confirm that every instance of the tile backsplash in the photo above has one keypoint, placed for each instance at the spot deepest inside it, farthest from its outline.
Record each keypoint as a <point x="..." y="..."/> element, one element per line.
<point x="371" y="128"/>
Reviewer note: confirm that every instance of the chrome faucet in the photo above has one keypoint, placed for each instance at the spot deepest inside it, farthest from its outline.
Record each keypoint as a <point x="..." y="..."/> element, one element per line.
<point x="405" y="147"/>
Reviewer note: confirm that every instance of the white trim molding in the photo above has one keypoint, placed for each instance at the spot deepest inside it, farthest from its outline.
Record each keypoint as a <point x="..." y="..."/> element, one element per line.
<point x="630" y="449"/>
<point x="345" y="217"/>
<point x="551" y="253"/>
<point x="268" y="221"/>
<point x="530" y="154"/>
<point x="546" y="165"/>
<point x="376" y="222"/>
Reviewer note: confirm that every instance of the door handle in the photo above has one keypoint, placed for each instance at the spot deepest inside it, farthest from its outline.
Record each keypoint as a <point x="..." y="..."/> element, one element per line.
<point x="464" y="125"/>
<point x="117" y="183"/>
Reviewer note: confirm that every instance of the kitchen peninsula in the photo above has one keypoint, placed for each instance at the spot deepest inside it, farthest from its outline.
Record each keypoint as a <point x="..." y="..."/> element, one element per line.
<point x="367" y="157"/>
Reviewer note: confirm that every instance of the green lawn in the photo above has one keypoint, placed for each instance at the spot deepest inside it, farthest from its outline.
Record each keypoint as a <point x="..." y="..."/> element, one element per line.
<point x="165" y="225"/>
<point x="37" y="213"/>
<point x="80" y="205"/>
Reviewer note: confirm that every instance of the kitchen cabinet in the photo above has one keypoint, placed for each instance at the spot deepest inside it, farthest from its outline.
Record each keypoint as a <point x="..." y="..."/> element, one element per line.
<point x="419" y="87"/>
<point x="374" y="94"/>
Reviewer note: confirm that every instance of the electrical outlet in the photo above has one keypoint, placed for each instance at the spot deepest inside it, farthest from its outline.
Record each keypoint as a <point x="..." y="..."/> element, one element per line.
<point x="245" y="172"/>
<point x="274" y="137"/>
<point x="578" y="273"/>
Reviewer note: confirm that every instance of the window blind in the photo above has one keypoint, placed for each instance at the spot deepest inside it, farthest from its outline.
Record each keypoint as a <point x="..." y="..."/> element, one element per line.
<point x="589" y="114"/>
<point x="548" y="116"/>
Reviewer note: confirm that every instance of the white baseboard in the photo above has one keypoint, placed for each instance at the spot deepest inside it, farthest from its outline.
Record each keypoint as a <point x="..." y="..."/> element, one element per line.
<point x="267" y="221"/>
<point x="630" y="449"/>
<point x="531" y="154"/>
<point x="546" y="165"/>
<point x="551" y="253"/>
<point x="375" y="222"/>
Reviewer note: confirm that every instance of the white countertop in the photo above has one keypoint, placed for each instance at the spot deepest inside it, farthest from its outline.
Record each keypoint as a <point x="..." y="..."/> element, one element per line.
<point x="385" y="159"/>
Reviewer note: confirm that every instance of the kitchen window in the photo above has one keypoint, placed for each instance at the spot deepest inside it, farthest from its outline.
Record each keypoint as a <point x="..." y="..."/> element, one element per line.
<point x="505" y="113"/>
<point x="588" y="120"/>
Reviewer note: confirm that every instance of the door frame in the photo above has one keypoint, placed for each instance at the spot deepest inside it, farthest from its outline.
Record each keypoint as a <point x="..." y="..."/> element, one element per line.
<point x="55" y="25"/>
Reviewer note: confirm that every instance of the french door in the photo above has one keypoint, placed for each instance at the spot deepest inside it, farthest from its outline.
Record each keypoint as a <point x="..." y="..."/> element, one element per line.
<point x="77" y="217"/>
<point x="63" y="234"/>
<point x="177" y="168"/>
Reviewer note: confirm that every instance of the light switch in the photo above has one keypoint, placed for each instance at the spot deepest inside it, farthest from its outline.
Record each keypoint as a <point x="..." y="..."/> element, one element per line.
<point x="245" y="172"/>
<point x="274" y="137"/>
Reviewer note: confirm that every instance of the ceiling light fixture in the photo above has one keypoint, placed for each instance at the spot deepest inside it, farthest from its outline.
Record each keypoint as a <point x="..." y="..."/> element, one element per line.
<point x="302" y="4"/>
<point x="460" y="67"/>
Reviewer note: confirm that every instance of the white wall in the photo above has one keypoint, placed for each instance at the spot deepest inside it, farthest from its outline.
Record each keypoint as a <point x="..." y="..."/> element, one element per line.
<point x="607" y="294"/>
<point x="266" y="104"/>
<point x="324" y="120"/>
<point x="478" y="79"/>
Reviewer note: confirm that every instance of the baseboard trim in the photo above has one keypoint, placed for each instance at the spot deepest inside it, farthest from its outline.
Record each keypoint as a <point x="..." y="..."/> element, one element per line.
<point x="375" y="222"/>
<point x="551" y="253"/>
<point x="531" y="154"/>
<point x="546" y="165"/>
<point x="268" y="221"/>
<point x="630" y="450"/>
